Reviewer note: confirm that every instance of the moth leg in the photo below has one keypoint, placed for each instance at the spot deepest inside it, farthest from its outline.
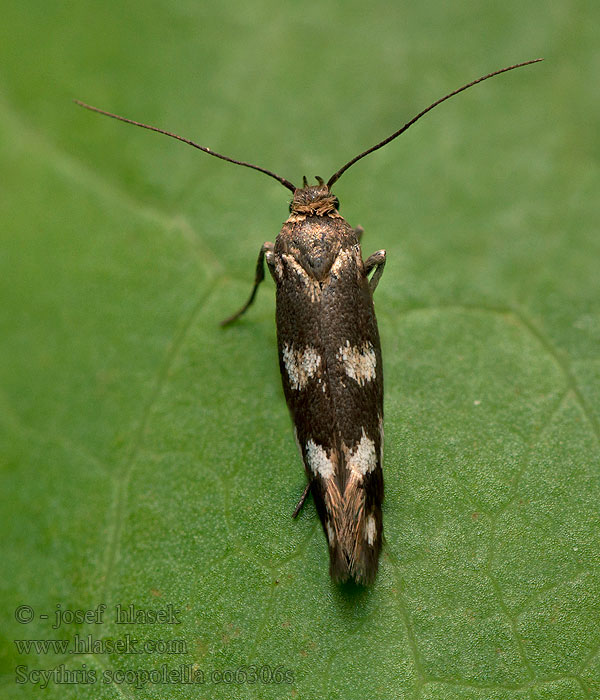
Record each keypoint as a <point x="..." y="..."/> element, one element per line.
<point x="377" y="261"/>
<point x="266" y="249"/>
<point x="358" y="232"/>
<point x="302" y="499"/>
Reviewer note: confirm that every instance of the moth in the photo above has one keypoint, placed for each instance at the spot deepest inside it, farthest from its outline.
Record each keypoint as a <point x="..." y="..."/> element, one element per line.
<point x="330" y="355"/>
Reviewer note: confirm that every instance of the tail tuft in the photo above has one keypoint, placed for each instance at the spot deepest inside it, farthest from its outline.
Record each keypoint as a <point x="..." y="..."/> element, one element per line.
<point x="354" y="530"/>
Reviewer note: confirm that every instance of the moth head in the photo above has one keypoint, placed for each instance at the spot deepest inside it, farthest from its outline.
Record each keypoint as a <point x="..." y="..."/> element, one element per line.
<point x="314" y="200"/>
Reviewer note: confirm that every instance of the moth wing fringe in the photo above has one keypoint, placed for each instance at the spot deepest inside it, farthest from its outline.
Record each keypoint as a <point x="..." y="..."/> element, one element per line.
<point x="352" y="556"/>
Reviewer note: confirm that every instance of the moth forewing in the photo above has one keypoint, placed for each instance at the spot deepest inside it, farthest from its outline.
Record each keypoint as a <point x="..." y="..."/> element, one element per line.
<point x="330" y="360"/>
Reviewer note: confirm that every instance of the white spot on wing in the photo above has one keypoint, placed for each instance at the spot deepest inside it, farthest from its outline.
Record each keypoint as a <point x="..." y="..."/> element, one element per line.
<point x="370" y="530"/>
<point x="297" y="441"/>
<point x="359" y="362"/>
<point x="301" y="365"/>
<point x="318" y="460"/>
<point x="363" y="458"/>
<point x="330" y="533"/>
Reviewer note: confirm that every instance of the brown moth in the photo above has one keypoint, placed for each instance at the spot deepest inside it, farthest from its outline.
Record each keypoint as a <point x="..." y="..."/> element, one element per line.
<point x="330" y="356"/>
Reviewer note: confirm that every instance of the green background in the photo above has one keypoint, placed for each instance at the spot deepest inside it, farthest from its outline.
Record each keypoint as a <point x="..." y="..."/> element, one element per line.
<point x="147" y="455"/>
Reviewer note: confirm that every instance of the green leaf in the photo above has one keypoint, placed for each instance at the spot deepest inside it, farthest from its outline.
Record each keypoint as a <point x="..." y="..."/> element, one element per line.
<point x="146" y="454"/>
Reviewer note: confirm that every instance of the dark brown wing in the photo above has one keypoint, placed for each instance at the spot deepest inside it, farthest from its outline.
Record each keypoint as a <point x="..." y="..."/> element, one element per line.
<point x="330" y="361"/>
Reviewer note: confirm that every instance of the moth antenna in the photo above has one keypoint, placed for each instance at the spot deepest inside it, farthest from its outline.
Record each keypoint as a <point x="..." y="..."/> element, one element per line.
<point x="282" y="180"/>
<point x="336" y="176"/>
